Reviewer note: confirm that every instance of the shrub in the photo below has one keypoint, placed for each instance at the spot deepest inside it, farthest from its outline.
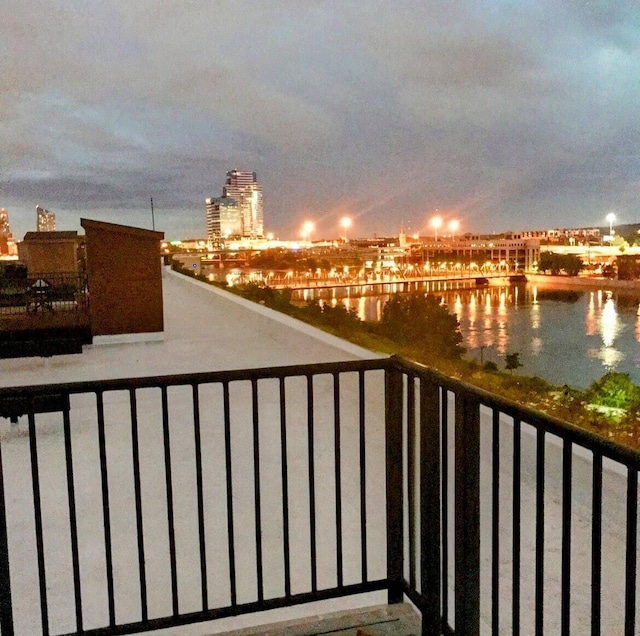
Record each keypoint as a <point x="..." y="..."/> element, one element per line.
<point x="423" y="322"/>
<point x="614" y="390"/>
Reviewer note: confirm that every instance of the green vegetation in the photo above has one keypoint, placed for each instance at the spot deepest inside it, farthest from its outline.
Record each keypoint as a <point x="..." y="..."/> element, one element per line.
<point x="512" y="361"/>
<point x="420" y="327"/>
<point x="424" y="323"/>
<point x="556" y="263"/>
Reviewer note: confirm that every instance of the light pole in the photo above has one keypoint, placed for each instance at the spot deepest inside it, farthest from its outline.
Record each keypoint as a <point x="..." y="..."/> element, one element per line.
<point x="346" y="224"/>
<point x="611" y="217"/>
<point x="436" y="222"/>
<point x="307" y="230"/>
<point x="453" y="226"/>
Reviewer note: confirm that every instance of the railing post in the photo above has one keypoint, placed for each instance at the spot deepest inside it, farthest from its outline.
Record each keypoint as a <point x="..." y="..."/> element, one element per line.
<point x="467" y="515"/>
<point x="6" y="608"/>
<point x="430" y="503"/>
<point x="394" y="464"/>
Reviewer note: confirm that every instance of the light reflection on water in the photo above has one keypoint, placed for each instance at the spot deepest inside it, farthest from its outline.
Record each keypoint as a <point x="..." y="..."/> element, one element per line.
<point x="566" y="337"/>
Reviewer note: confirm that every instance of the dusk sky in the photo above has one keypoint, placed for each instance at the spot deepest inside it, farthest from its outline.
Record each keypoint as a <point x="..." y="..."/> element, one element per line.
<point x="506" y="115"/>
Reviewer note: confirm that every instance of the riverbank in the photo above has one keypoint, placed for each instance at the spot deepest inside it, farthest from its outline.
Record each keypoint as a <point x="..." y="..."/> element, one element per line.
<point x="582" y="282"/>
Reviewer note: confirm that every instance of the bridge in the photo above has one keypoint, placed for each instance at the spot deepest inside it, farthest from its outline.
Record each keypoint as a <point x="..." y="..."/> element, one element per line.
<point x="296" y="282"/>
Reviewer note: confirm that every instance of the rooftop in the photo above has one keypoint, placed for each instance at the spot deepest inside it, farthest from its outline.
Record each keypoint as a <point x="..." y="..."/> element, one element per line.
<point x="206" y="329"/>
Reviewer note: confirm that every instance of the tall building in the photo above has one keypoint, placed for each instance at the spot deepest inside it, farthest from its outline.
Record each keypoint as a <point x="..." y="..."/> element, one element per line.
<point x="5" y="230"/>
<point x="224" y="218"/>
<point x="244" y="188"/>
<point x="7" y="244"/>
<point x="46" y="221"/>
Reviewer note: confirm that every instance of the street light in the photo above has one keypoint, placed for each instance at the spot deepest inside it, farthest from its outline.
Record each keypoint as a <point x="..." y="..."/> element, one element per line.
<point x="611" y="217"/>
<point x="436" y="222"/>
<point x="453" y="226"/>
<point x="307" y="230"/>
<point x="346" y="224"/>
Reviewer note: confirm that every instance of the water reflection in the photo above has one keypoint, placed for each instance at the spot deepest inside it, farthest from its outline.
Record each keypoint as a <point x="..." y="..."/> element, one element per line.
<point x="571" y="337"/>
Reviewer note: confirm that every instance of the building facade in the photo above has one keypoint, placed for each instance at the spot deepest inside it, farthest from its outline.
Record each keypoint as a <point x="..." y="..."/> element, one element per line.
<point x="46" y="221"/>
<point x="243" y="187"/>
<point x="52" y="252"/>
<point x="224" y="218"/>
<point x="8" y="247"/>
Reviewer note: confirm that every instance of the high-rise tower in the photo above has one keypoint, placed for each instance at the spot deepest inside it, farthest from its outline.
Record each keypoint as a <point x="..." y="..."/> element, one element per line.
<point x="245" y="189"/>
<point x="224" y="218"/>
<point x="5" y="230"/>
<point x="46" y="220"/>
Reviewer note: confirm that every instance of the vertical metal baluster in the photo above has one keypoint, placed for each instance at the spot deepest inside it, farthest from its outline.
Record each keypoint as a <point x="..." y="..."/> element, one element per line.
<point x="495" y="523"/>
<point x="285" y="489"/>
<point x="6" y="605"/>
<point x="229" y="493"/>
<point x="411" y="477"/>
<point x="430" y="529"/>
<point x="170" y="513"/>
<point x="338" y="478"/>
<point x="445" y="507"/>
<point x="631" y="555"/>
<point x="106" y="508"/>
<point x="567" y="457"/>
<point x="596" y="547"/>
<point x="202" y="544"/>
<point x="540" y="516"/>
<point x="37" y="509"/>
<point x="516" y="518"/>
<point x="363" y="478"/>
<point x="73" y="525"/>
<point x="135" y="447"/>
<point x="256" y="488"/>
<point x="312" y="486"/>
<point x="467" y="520"/>
<point x="394" y="487"/>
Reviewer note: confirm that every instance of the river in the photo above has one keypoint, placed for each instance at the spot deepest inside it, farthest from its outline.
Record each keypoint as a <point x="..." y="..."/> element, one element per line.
<point x="566" y="337"/>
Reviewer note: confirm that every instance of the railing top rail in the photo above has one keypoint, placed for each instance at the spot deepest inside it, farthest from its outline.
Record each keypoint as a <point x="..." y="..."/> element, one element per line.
<point x="186" y="379"/>
<point x="537" y="419"/>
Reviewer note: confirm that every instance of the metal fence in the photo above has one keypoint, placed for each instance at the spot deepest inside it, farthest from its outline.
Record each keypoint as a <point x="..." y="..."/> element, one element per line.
<point x="147" y="503"/>
<point x="42" y="293"/>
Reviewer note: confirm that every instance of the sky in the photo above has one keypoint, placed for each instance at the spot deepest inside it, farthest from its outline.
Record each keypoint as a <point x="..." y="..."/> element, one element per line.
<point x="505" y="115"/>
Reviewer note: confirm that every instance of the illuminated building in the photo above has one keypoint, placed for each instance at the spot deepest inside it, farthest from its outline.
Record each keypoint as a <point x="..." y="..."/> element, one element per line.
<point x="7" y="244"/>
<point x="46" y="221"/>
<point x="224" y="218"/>
<point x="5" y="230"/>
<point x="244" y="188"/>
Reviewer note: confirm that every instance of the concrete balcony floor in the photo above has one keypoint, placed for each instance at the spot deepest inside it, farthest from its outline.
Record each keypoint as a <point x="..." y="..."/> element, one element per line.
<point x="381" y="620"/>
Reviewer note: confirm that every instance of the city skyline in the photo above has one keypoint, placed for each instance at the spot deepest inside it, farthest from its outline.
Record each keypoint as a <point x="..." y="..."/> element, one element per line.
<point x="505" y="116"/>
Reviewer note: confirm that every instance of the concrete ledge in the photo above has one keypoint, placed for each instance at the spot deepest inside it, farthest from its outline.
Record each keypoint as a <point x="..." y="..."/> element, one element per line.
<point x="128" y="338"/>
<point x="383" y="620"/>
<point x="283" y="319"/>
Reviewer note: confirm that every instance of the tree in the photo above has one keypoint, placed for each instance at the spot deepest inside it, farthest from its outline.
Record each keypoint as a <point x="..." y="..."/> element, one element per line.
<point x="423" y="322"/>
<point x="615" y="390"/>
<point x="555" y="263"/>
<point x="512" y="361"/>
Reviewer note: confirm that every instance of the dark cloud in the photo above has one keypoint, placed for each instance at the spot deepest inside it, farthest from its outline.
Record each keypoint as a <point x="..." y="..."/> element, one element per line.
<point x="510" y="114"/>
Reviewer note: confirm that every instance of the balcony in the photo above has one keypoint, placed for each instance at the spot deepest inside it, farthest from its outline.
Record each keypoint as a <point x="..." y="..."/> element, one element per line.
<point x="43" y="314"/>
<point x="130" y="505"/>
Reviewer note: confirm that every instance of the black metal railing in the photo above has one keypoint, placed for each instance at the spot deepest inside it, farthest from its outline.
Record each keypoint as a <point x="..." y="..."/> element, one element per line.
<point x="43" y="293"/>
<point x="156" y="502"/>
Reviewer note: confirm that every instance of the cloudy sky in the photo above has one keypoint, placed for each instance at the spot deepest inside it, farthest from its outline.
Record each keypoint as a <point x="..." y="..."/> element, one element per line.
<point x="506" y="115"/>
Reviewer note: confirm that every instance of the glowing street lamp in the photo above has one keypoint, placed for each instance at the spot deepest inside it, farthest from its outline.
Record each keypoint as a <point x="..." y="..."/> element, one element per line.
<point x="453" y="226"/>
<point x="307" y="229"/>
<point x="611" y="217"/>
<point x="346" y="224"/>
<point x="436" y="222"/>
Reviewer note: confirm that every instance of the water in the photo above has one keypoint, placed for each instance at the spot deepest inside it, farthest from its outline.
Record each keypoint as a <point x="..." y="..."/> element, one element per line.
<point x="566" y="337"/>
